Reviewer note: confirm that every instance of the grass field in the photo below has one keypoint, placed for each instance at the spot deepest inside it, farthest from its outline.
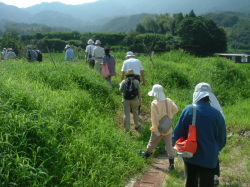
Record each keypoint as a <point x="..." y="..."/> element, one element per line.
<point x="61" y="124"/>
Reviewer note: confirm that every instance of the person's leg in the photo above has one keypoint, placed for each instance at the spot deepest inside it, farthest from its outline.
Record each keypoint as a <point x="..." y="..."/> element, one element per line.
<point x="126" y="117"/>
<point x="98" y="67"/>
<point x="134" y="107"/>
<point x="168" y="145"/>
<point x="217" y="174"/>
<point x="92" y="63"/>
<point x="191" y="175"/>
<point x="206" y="176"/>
<point x="169" y="148"/>
<point x="109" y="81"/>
<point x="153" y="142"/>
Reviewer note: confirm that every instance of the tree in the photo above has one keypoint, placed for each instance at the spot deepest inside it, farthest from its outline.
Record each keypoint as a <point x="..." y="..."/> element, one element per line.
<point x="11" y="40"/>
<point x="140" y="28"/>
<point x="150" y="25"/>
<point x="165" y="24"/>
<point x="201" y="36"/>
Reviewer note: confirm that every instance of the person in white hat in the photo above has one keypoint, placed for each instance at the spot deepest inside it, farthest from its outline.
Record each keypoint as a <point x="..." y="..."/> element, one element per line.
<point x="69" y="54"/>
<point x="11" y="54"/>
<point x="132" y="63"/>
<point x="98" y="54"/>
<point x="89" y="51"/>
<point x="158" y="111"/>
<point x="210" y="132"/>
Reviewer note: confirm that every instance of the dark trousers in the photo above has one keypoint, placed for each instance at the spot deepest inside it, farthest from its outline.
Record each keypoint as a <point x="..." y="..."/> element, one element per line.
<point x="91" y="63"/>
<point x="217" y="169"/>
<point x="198" y="176"/>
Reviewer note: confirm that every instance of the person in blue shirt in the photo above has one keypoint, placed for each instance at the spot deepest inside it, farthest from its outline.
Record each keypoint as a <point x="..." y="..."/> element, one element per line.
<point x="211" y="136"/>
<point x="69" y="55"/>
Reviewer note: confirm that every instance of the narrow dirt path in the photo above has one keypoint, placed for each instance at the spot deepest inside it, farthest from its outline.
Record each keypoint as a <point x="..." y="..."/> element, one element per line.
<point x="155" y="175"/>
<point x="157" y="172"/>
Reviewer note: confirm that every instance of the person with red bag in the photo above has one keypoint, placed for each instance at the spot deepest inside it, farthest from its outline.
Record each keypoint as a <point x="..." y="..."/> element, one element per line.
<point x="210" y="133"/>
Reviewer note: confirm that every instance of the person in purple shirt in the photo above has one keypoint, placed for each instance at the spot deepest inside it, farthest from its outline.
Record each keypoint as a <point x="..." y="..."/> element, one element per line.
<point x="110" y="60"/>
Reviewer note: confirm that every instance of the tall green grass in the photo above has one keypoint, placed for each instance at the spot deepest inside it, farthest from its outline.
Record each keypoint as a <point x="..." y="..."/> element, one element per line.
<point x="61" y="124"/>
<point x="58" y="128"/>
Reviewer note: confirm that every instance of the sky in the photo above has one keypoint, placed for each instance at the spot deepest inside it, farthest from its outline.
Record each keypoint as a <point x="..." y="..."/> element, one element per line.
<point x="27" y="3"/>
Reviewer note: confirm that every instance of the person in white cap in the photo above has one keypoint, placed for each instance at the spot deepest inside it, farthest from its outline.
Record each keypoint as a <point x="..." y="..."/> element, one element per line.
<point x="11" y="54"/>
<point x="158" y="111"/>
<point x="210" y="132"/>
<point x="89" y="51"/>
<point x="69" y="54"/>
<point x="4" y="54"/>
<point x="135" y="65"/>
<point x="132" y="63"/>
<point x="98" y="54"/>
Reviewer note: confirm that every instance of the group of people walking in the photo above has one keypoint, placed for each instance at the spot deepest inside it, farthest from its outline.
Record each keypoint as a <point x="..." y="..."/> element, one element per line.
<point x="8" y="54"/>
<point x="210" y="121"/>
<point x="202" y="169"/>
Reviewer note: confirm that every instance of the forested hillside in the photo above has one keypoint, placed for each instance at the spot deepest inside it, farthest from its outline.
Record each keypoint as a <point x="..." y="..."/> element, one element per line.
<point x="237" y="27"/>
<point x="101" y="11"/>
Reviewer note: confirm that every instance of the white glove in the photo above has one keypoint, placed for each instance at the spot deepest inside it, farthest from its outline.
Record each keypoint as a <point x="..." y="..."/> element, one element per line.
<point x="157" y="133"/>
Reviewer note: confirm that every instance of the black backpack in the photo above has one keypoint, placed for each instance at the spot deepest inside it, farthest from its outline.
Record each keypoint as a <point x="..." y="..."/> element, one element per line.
<point x="130" y="92"/>
<point x="39" y="56"/>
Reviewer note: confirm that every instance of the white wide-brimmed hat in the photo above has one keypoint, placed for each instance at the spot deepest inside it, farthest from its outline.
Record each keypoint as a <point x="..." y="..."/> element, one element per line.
<point x="67" y="46"/>
<point x="130" y="53"/>
<point x="157" y="91"/>
<point x="97" y="42"/>
<point x="203" y="90"/>
<point x="90" y="41"/>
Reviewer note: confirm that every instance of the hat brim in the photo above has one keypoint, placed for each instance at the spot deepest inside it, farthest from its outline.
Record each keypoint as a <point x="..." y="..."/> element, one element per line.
<point x="151" y="93"/>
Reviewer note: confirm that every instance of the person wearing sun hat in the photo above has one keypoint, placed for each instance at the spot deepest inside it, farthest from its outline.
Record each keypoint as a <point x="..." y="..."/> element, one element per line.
<point x="11" y="54"/>
<point x="129" y="104"/>
<point x="98" y="54"/>
<point x="210" y="132"/>
<point x="158" y="111"/>
<point x="89" y="51"/>
<point x="69" y="54"/>
<point x="135" y="64"/>
<point x="132" y="63"/>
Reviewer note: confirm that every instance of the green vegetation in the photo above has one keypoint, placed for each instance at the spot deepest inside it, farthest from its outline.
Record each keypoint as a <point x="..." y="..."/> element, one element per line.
<point x="62" y="125"/>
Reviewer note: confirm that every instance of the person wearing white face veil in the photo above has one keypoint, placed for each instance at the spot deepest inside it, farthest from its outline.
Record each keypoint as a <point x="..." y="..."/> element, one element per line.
<point x="210" y="132"/>
<point x="158" y="111"/>
<point x="203" y="90"/>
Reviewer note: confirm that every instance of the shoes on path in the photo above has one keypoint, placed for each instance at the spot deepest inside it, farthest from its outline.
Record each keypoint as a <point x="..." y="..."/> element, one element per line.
<point x="145" y="154"/>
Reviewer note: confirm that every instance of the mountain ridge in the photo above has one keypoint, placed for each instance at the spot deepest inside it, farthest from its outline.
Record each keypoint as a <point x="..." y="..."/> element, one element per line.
<point x="101" y="12"/>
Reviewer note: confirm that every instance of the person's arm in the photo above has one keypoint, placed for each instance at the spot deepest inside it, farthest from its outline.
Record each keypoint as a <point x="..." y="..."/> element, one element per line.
<point x="222" y="133"/>
<point x="139" y="97"/>
<point x="86" y="56"/>
<point x="123" y="75"/>
<point x="143" y="78"/>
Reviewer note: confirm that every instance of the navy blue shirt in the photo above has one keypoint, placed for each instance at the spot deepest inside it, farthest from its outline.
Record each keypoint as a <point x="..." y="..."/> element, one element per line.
<point x="211" y="133"/>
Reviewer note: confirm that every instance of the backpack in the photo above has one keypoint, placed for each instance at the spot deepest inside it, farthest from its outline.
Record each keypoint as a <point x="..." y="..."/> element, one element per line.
<point x="130" y="92"/>
<point x="39" y="56"/>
